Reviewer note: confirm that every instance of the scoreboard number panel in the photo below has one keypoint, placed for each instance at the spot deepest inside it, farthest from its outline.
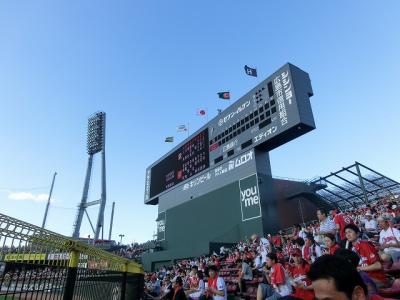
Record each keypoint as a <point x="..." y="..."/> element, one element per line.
<point x="185" y="162"/>
<point x="274" y="112"/>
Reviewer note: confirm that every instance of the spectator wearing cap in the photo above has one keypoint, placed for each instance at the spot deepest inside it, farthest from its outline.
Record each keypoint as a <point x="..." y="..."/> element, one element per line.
<point x="370" y="223"/>
<point x="369" y="259"/>
<point x="389" y="239"/>
<point x="178" y="292"/>
<point x="277" y="239"/>
<point x="335" y="278"/>
<point x="396" y="214"/>
<point x="298" y="271"/>
<point x="216" y="285"/>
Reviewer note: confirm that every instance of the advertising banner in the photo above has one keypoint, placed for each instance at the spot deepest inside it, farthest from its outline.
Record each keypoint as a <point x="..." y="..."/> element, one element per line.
<point x="249" y="198"/>
<point x="161" y="222"/>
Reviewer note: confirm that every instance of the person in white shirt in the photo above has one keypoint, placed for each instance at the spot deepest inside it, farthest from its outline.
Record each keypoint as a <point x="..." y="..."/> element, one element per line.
<point x="369" y="223"/>
<point x="264" y="246"/>
<point x="278" y="285"/>
<point x="389" y="240"/>
<point x="257" y="264"/>
<point x="310" y="250"/>
<point x="326" y="225"/>
<point x="216" y="285"/>
<point x="195" y="294"/>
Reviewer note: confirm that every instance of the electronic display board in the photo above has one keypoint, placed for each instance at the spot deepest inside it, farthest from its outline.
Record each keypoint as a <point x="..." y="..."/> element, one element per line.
<point x="271" y="114"/>
<point x="183" y="163"/>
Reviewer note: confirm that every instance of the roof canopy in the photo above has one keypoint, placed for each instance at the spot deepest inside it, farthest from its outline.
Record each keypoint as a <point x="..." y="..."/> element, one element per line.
<point x="356" y="185"/>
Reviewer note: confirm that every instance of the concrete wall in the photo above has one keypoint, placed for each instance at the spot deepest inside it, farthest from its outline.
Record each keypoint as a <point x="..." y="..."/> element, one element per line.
<point x="217" y="217"/>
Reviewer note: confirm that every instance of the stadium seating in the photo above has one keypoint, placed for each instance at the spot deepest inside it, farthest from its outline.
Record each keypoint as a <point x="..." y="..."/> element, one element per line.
<point x="230" y="273"/>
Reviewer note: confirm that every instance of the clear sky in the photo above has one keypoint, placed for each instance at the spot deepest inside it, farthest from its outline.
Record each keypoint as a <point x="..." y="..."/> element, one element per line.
<point x="150" y="64"/>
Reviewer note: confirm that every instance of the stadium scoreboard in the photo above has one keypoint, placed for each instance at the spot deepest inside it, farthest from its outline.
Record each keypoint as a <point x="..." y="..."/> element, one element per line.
<point x="276" y="111"/>
<point x="188" y="160"/>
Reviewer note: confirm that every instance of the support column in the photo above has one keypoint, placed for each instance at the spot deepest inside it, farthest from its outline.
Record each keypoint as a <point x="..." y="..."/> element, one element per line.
<point x="362" y="183"/>
<point x="79" y="216"/>
<point x="48" y="201"/>
<point x="112" y="221"/>
<point x="100" y="218"/>
<point x="71" y="276"/>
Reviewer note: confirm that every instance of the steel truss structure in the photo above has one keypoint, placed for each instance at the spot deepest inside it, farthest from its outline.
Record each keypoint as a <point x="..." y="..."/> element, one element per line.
<point x="356" y="185"/>
<point x="95" y="144"/>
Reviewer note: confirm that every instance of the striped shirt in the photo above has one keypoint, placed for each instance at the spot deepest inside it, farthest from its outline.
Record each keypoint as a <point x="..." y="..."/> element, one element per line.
<point x="327" y="226"/>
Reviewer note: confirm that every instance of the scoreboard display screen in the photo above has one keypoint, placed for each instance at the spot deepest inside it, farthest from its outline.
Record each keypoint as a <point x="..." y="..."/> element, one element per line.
<point x="274" y="112"/>
<point x="185" y="162"/>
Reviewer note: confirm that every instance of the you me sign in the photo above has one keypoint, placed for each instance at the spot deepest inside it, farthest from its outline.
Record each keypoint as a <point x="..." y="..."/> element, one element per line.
<point x="249" y="197"/>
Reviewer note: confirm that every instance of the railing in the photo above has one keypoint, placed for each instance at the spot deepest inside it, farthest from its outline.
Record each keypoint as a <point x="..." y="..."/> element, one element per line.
<point x="40" y="264"/>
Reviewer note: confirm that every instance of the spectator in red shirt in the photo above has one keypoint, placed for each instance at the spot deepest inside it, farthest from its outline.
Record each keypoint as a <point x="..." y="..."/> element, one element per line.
<point x="277" y="240"/>
<point x="369" y="258"/>
<point x="295" y="232"/>
<point x="341" y="220"/>
<point x="278" y="282"/>
<point x="354" y="259"/>
<point x="193" y="279"/>
<point x="311" y="250"/>
<point x="299" y="271"/>
<point x="330" y="242"/>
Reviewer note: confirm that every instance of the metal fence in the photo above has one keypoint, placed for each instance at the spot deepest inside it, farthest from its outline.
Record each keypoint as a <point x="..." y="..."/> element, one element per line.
<point x="40" y="264"/>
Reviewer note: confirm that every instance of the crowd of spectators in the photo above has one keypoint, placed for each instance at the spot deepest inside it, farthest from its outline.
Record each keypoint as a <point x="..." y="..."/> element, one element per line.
<point x="135" y="250"/>
<point x="343" y="255"/>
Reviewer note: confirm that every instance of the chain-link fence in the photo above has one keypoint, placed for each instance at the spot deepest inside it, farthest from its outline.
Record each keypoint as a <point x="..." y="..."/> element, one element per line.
<point x="40" y="264"/>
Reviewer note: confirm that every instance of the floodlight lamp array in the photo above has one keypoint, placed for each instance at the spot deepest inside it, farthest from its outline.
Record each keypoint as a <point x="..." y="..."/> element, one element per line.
<point x="95" y="134"/>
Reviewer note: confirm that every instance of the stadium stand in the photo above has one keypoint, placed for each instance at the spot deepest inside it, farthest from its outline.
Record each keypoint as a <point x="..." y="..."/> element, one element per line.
<point x="293" y="249"/>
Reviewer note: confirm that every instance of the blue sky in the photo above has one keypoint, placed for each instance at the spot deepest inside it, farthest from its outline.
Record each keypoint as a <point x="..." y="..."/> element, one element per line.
<point x="149" y="65"/>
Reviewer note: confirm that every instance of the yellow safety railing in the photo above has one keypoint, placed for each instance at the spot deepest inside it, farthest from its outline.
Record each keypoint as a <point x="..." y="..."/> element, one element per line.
<point x="28" y="249"/>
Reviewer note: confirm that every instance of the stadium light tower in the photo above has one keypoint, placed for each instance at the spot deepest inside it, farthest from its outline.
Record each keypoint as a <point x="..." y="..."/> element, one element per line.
<point x="95" y="144"/>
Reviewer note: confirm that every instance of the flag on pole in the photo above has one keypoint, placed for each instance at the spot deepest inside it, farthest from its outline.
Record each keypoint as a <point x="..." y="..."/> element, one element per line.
<point x="201" y="112"/>
<point x="250" y="71"/>
<point x="181" y="128"/>
<point x="224" y="95"/>
<point x="169" y="139"/>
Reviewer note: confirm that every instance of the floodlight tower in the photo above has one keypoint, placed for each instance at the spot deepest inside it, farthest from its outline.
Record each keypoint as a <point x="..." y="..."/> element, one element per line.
<point x="95" y="144"/>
